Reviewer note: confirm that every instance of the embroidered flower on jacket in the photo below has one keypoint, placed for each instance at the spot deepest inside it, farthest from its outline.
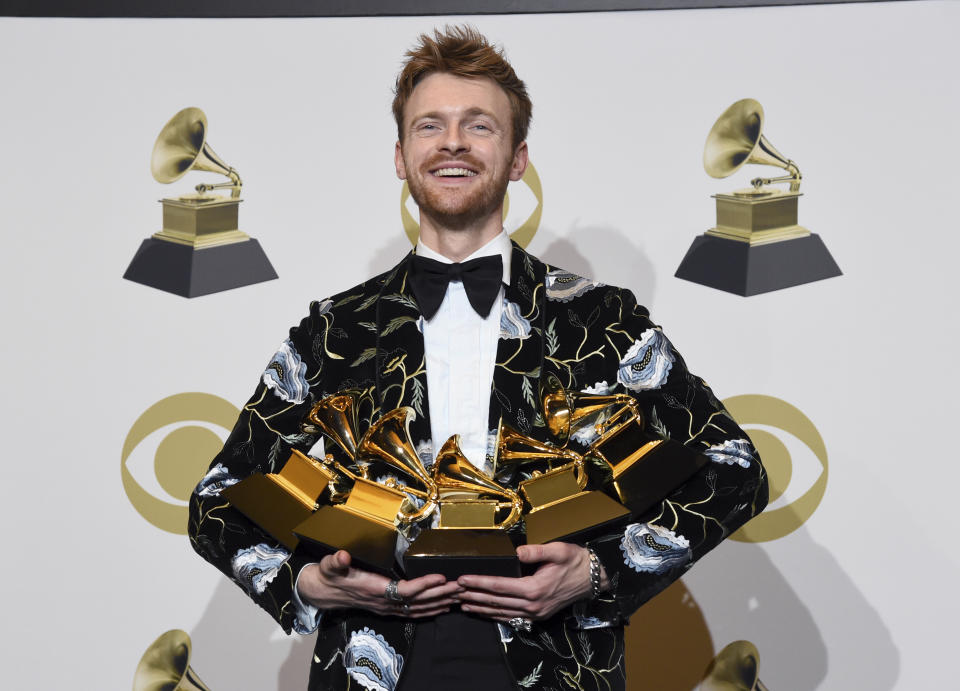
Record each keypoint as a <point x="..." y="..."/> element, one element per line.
<point x="323" y="307"/>
<point x="256" y="566"/>
<point x="506" y="633"/>
<point x="586" y="432"/>
<point x="649" y="548"/>
<point x="565" y="286"/>
<point x="731" y="451"/>
<point x="591" y="622"/>
<point x="512" y="322"/>
<point x="371" y="661"/>
<point x="647" y="363"/>
<point x="286" y="375"/>
<point x="216" y="480"/>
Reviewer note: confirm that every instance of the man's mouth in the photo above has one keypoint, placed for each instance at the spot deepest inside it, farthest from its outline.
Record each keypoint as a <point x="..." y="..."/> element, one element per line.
<point x="453" y="173"/>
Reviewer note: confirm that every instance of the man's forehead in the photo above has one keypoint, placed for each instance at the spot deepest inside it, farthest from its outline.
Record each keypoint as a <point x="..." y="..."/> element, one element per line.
<point x="443" y="91"/>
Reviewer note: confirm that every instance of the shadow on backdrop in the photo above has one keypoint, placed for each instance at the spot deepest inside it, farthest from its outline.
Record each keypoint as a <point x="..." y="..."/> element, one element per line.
<point x="602" y="253"/>
<point x="236" y="645"/>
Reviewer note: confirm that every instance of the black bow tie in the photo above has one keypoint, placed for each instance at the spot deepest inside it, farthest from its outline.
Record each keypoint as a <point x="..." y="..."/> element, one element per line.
<point x="481" y="279"/>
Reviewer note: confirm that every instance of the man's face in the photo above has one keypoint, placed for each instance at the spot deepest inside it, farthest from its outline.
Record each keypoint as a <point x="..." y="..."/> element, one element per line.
<point x="456" y="153"/>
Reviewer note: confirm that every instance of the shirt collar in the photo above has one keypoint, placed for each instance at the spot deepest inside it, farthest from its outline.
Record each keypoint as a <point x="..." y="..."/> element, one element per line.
<point x="499" y="245"/>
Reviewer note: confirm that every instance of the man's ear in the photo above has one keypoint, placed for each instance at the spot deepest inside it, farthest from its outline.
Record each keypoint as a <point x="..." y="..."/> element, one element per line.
<point x="398" y="162"/>
<point x="519" y="164"/>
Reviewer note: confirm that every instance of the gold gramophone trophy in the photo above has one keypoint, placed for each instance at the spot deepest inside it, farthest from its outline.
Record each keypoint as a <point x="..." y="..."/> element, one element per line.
<point x="469" y="537"/>
<point x="561" y="508"/>
<point x="278" y="502"/>
<point x="644" y="467"/>
<point x="757" y="245"/>
<point x="367" y="523"/>
<point x="200" y="249"/>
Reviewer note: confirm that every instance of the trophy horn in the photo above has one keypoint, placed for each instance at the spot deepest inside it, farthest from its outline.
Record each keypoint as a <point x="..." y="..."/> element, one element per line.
<point x="565" y="411"/>
<point x="182" y="146"/>
<point x="735" y="668"/>
<point x="165" y="666"/>
<point x="514" y="448"/>
<point x="388" y="441"/>
<point x="454" y="472"/>
<point x="737" y="139"/>
<point x="336" y="417"/>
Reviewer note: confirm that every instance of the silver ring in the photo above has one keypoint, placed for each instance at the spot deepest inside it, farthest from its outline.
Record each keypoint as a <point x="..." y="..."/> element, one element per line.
<point x="392" y="593"/>
<point x="518" y="623"/>
<point x="406" y="608"/>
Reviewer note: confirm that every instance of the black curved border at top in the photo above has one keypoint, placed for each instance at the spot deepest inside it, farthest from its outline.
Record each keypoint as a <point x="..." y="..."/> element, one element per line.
<point x="357" y="8"/>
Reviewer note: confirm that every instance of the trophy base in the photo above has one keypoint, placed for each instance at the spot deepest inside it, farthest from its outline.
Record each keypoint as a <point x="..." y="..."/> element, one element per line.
<point x="644" y="483"/>
<point x="188" y="272"/>
<point x="371" y="543"/>
<point x="455" y="552"/>
<point x="565" y="520"/>
<point x="745" y="269"/>
<point x="268" y="505"/>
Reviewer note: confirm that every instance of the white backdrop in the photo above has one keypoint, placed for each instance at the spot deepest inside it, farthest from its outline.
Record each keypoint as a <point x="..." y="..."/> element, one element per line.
<point x="863" y="97"/>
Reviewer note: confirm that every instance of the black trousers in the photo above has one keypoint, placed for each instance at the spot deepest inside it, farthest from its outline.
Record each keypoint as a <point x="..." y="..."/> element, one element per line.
<point x="456" y="651"/>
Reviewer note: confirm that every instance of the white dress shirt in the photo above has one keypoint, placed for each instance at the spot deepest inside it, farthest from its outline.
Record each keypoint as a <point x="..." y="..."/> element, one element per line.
<point x="461" y="351"/>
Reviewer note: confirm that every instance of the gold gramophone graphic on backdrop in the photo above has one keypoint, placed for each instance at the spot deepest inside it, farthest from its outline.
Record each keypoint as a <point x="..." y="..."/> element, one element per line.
<point x="166" y="665"/>
<point x="367" y="523"/>
<point x="735" y="668"/>
<point x="757" y="245"/>
<point x="200" y="249"/>
<point x="475" y="512"/>
<point x="643" y="466"/>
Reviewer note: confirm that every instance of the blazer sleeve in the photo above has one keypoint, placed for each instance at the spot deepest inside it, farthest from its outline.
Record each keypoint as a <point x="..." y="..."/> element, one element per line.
<point x="266" y="431"/>
<point x="729" y="490"/>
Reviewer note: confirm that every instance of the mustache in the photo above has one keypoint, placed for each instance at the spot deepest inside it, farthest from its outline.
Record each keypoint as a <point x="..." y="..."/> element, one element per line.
<point x="465" y="159"/>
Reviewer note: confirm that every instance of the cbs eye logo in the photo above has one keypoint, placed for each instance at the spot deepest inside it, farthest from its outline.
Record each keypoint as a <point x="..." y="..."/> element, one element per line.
<point x="793" y="426"/>
<point x="182" y="454"/>
<point x="521" y="224"/>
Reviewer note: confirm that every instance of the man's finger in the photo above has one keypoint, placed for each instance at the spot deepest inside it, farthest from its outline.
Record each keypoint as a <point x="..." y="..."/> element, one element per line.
<point x="552" y="551"/>
<point x="336" y="564"/>
<point x="442" y="591"/>
<point x="472" y="599"/>
<point x="411" y="589"/>
<point x="497" y="584"/>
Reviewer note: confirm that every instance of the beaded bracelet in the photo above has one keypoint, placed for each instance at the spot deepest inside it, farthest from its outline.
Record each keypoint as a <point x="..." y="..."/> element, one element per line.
<point x="594" y="573"/>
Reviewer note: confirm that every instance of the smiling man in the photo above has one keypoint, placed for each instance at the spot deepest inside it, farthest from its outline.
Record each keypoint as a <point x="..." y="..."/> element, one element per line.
<point x="462" y="330"/>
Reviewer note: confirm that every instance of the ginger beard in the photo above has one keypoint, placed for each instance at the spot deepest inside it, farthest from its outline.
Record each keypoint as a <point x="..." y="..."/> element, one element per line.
<point x="457" y="207"/>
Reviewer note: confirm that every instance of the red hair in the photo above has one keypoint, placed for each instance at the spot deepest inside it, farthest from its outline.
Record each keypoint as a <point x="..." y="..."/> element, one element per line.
<point x="464" y="52"/>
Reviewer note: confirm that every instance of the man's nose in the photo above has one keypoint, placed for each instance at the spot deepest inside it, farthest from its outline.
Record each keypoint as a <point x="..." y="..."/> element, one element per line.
<point x="453" y="141"/>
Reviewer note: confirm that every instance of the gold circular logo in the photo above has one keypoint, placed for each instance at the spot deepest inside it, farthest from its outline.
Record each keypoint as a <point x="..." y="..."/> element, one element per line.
<point x="182" y="455"/>
<point x="756" y="409"/>
<point x="522" y="235"/>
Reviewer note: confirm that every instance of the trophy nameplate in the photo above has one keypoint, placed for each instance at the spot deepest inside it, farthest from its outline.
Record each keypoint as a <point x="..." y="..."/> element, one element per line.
<point x="278" y="502"/>
<point x="365" y="526"/>
<point x="645" y="468"/>
<point x="562" y="511"/>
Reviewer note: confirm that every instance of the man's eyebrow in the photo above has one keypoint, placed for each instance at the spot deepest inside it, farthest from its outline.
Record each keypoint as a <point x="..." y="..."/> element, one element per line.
<point x="469" y="112"/>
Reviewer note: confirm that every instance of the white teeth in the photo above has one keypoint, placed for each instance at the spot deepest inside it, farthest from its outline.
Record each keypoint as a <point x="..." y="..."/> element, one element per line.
<point x="453" y="172"/>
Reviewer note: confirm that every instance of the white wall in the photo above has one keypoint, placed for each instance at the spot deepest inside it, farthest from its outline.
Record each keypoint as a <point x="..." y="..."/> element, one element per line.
<point x="863" y="97"/>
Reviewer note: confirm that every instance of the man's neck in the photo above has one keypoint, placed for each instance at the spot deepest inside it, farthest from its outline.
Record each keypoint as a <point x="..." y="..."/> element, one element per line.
<point x="457" y="245"/>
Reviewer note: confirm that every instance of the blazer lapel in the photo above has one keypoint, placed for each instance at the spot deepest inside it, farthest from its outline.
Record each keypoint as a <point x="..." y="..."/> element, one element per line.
<point x="401" y="366"/>
<point x="514" y="395"/>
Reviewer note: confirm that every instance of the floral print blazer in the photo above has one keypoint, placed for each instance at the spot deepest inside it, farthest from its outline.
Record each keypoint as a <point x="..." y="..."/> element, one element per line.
<point x="595" y="338"/>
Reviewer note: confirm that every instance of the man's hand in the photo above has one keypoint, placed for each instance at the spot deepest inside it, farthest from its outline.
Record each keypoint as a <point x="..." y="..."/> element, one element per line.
<point x="335" y="584"/>
<point x="563" y="577"/>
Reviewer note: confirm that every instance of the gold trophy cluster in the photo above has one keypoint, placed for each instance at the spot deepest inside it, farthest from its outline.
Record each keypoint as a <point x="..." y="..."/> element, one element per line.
<point x="461" y="519"/>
